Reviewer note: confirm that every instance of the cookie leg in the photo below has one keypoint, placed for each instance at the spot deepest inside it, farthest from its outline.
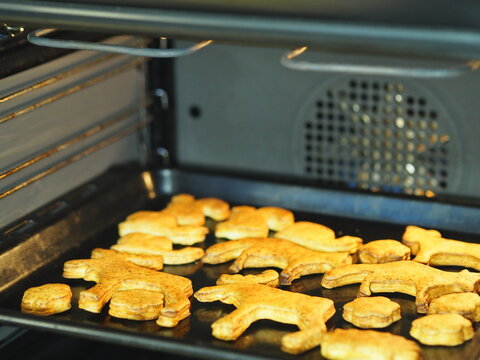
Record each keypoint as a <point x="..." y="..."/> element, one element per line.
<point x="303" y="340"/>
<point x="231" y="326"/>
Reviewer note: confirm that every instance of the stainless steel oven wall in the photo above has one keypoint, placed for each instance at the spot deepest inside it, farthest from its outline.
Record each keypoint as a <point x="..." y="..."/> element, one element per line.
<point x="239" y="109"/>
<point x="66" y="121"/>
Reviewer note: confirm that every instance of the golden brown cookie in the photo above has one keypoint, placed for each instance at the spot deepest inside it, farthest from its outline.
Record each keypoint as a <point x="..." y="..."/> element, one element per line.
<point x="191" y="211"/>
<point x="136" y="304"/>
<point x="431" y="248"/>
<point x="162" y="224"/>
<point x="277" y="218"/>
<point x="47" y="299"/>
<point x="318" y="237"/>
<point x="371" y="312"/>
<point x="153" y="262"/>
<point x="113" y="274"/>
<point x="442" y="329"/>
<point x="255" y="302"/>
<point x="465" y="304"/>
<point x="268" y="277"/>
<point x="409" y="277"/>
<point x="348" y="344"/>
<point x="383" y="251"/>
<point x="295" y="260"/>
<point x="152" y="245"/>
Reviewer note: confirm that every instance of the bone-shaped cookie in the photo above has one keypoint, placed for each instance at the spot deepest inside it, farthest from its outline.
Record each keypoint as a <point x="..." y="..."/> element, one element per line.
<point x="295" y="260"/>
<point x="318" y="237"/>
<point x="248" y="221"/>
<point x="268" y="277"/>
<point x="409" y="277"/>
<point x="255" y="302"/>
<point x="112" y="274"/>
<point x="152" y="245"/>
<point x="431" y="248"/>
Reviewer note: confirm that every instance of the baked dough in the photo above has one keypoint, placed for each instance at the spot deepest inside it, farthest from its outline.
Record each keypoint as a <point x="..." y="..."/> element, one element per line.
<point x="255" y="302"/>
<point x="354" y="344"/>
<point x="465" y="304"/>
<point x="268" y="277"/>
<point x="431" y="248"/>
<point x="318" y="237"/>
<point x="409" y="277"/>
<point x="442" y="329"/>
<point x="383" y="251"/>
<point x="153" y="262"/>
<point x="295" y="260"/>
<point x="136" y="304"/>
<point x="47" y="299"/>
<point x="372" y="312"/>
<point x="113" y="274"/>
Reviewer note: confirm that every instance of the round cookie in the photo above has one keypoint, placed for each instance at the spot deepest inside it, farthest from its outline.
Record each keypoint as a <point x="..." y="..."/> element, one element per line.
<point x="442" y="329"/>
<point x="136" y="304"/>
<point x="383" y="251"/>
<point x="465" y="304"/>
<point x="371" y="312"/>
<point x="47" y="299"/>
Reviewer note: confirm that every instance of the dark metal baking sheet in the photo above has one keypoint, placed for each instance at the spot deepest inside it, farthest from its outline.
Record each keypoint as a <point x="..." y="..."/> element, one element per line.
<point x="192" y="337"/>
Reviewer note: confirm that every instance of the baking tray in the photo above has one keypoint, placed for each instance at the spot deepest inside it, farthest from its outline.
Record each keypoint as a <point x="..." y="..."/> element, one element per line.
<point x="90" y="221"/>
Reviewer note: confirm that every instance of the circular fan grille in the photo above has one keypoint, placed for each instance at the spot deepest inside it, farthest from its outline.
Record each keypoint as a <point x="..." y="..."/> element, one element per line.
<point x="377" y="135"/>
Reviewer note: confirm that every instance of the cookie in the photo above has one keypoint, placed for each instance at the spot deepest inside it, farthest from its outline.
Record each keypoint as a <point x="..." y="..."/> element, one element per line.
<point x="409" y="277"/>
<point x="152" y="245"/>
<point x="47" y="299"/>
<point x="371" y="312"/>
<point x="431" y="248"/>
<point x="255" y="302"/>
<point x="347" y="344"/>
<point x="153" y="262"/>
<point x="113" y="274"/>
<point x="295" y="260"/>
<point x="465" y="304"/>
<point x="267" y="277"/>
<point x="318" y="237"/>
<point x="136" y="304"/>
<point x="383" y="251"/>
<point x="442" y="329"/>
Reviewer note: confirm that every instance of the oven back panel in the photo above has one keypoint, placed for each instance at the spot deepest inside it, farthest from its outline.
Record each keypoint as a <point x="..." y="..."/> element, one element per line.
<point x="238" y="109"/>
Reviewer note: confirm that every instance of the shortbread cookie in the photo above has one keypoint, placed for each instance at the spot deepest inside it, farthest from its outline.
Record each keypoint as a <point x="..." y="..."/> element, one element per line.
<point x="47" y="299"/>
<point x="255" y="302"/>
<point x="371" y="312"/>
<point x="295" y="260"/>
<point x="277" y="218"/>
<point x="162" y="224"/>
<point x="442" y="329"/>
<point x="136" y="304"/>
<point x="153" y="262"/>
<point x="383" y="251"/>
<point x="409" y="277"/>
<point x="349" y="344"/>
<point x="268" y="277"/>
<point x="152" y="245"/>
<point x="113" y="274"/>
<point x="430" y="248"/>
<point x="318" y="237"/>
<point x="465" y="304"/>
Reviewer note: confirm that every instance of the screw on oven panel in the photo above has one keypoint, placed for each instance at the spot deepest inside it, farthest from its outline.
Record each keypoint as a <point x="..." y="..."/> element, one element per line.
<point x="163" y="95"/>
<point x="164" y="155"/>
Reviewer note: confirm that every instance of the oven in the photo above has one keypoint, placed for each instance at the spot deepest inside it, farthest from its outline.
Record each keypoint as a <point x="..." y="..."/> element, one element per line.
<point x="360" y="117"/>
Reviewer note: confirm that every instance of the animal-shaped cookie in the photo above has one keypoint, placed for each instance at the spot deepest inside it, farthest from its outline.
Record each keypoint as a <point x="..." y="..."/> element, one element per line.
<point x="295" y="260"/>
<point x="248" y="221"/>
<point x="465" y="304"/>
<point x="442" y="329"/>
<point x="431" y="248"/>
<point x="47" y="299"/>
<point x="113" y="274"/>
<point x="190" y="211"/>
<point x="255" y="302"/>
<point x="383" y="251"/>
<point x="318" y="237"/>
<point x="348" y="344"/>
<point x="147" y="244"/>
<point x="153" y="262"/>
<point x="162" y="224"/>
<point x="136" y="304"/>
<point x="371" y="312"/>
<point x="268" y="277"/>
<point x="409" y="277"/>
